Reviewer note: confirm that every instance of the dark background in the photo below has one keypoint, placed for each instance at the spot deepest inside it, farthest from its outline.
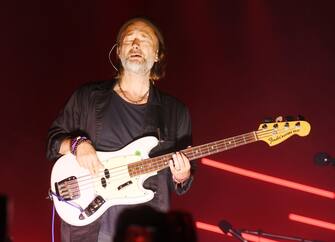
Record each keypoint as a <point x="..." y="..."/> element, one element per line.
<point x="232" y="62"/>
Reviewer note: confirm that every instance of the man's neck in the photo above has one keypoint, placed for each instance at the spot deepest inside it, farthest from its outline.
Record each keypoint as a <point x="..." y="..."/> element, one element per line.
<point x="134" y="83"/>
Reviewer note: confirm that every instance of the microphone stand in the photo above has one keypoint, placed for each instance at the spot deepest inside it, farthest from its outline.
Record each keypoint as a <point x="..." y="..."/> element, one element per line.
<point x="276" y="236"/>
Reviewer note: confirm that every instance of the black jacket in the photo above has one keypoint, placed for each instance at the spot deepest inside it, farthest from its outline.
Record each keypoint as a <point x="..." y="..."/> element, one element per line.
<point x="166" y="118"/>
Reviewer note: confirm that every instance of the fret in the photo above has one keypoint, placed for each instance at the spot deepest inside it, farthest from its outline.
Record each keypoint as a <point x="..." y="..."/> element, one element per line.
<point x="148" y="165"/>
<point x="225" y="145"/>
<point x="207" y="149"/>
<point x="255" y="136"/>
<point x="228" y="143"/>
<point x="158" y="163"/>
<point x="211" y="149"/>
<point x="237" y="141"/>
<point x="231" y="143"/>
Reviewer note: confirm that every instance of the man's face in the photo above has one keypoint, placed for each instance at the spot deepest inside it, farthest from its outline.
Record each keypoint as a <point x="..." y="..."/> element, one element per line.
<point x="138" y="48"/>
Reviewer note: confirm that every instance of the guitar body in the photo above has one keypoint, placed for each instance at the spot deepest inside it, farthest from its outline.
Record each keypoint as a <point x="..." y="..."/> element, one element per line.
<point x="113" y="186"/>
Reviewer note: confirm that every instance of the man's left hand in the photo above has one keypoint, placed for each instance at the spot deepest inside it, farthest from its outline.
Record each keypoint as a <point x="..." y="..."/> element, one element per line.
<point x="180" y="167"/>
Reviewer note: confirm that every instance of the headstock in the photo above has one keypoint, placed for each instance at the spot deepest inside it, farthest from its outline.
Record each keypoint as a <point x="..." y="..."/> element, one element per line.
<point x="277" y="132"/>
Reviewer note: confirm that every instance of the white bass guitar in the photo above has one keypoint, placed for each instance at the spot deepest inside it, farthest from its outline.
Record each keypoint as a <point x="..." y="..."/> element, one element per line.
<point x="80" y="198"/>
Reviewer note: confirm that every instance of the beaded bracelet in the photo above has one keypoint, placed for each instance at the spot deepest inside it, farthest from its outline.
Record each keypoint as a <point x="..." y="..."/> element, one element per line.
<point x="75" y="142"/>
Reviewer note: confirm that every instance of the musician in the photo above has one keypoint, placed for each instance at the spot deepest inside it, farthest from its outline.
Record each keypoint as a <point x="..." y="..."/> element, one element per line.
<point x="108" y="115"/>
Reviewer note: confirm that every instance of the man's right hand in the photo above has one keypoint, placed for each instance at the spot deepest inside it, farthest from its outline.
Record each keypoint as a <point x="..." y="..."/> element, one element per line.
<point x="87" y="158"/>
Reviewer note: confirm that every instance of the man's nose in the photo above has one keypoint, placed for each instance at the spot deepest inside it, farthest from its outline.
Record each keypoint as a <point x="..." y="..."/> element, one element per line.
<point x="136" y="43"/>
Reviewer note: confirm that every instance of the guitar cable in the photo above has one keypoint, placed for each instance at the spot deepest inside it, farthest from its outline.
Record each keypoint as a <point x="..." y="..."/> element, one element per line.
<point x="53" y="224"/>
<point x="51" y="193"/>
<point x="50" y="196"/>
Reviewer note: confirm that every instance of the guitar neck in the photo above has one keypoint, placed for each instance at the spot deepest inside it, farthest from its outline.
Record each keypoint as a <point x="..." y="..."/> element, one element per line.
<point x="161" y="162"/>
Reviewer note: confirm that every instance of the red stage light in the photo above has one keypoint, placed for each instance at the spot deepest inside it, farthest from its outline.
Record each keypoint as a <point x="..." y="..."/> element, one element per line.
<point x="270" y="179"/>
<point x="311" y="221"/>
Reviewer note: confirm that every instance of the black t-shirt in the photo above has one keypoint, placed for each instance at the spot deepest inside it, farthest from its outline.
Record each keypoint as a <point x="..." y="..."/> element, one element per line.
<point x="122" y="122"/>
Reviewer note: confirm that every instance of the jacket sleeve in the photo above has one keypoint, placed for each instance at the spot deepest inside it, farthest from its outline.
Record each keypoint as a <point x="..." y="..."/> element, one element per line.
<point x="66" y="125"/>
<point x="184" y="139"/>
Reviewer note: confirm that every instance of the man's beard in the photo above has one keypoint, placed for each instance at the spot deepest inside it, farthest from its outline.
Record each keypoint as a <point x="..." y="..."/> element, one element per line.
<point x="137" y="67"/>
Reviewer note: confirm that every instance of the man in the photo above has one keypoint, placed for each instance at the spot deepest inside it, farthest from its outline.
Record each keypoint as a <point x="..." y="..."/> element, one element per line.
<point x="108" y="115"/>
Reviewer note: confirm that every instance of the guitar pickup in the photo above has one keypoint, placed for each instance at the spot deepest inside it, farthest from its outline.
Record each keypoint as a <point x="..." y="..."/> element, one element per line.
<point x="124" y="185"/>
<point x="92" y="207"/>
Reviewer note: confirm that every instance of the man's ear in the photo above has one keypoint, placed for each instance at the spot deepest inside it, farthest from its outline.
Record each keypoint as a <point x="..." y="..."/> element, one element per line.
<point x="118" y="50"/>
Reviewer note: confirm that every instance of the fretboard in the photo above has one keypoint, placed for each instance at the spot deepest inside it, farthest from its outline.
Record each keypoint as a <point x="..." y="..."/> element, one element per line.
<point x="160" y="162"/>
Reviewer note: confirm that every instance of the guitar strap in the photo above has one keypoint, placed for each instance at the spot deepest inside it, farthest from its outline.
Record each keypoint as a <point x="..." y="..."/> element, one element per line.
<point x="154" y="124"/>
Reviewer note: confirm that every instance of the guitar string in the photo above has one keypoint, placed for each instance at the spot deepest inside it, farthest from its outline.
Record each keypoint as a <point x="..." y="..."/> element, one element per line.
<point x="82" y="178"/>
<point x="236" y="142"/>
<point x="124" y="171"/>
<point x="102" y="171"/>
<point x="123" y="166"/>
<point x="115" y="175"/>
<point x="260" y="133"/>
<point x="92" y="183"/>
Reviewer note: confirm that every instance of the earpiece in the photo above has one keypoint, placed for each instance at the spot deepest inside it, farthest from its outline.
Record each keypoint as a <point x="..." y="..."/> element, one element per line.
<point x="109" y="56"/>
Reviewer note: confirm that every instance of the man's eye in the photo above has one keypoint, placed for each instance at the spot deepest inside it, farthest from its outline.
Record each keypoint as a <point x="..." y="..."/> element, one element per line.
<point x="128" y="41"/>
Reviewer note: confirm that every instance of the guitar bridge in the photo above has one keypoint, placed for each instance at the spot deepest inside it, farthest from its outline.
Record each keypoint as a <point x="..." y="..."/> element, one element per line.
<point x="67" y="189"/>
<point x="92" y="207"/>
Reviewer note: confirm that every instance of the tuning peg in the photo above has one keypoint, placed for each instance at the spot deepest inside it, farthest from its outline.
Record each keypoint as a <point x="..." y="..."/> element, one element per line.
<point x="301" y="118"/>
<point x="268" y="120"/>
<point x="289" y="118"/>
<point x="279" y="119"/>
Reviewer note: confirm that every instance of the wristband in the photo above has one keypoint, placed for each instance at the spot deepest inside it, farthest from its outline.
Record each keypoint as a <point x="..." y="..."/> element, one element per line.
<point x="75" y="142"/>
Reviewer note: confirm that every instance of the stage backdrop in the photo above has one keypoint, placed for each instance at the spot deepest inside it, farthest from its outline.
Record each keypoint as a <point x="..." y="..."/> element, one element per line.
<point x="234" y="63"/>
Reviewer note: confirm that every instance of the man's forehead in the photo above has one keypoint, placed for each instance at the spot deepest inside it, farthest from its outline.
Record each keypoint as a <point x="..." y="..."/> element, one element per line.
<point x="141" y="27"/>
